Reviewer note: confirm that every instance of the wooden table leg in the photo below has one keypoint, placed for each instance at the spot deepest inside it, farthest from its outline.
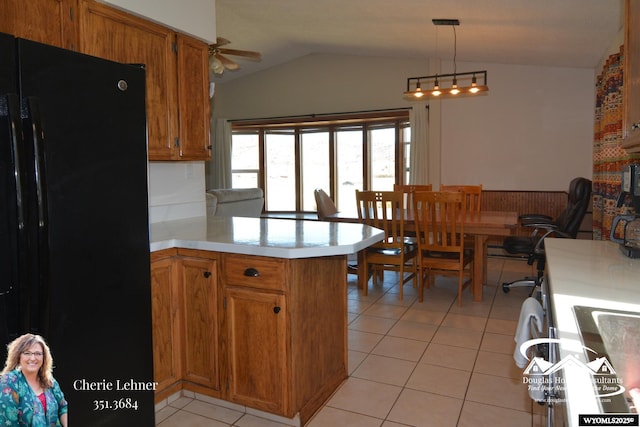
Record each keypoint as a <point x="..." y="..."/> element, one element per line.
<point x="479" y="265"/>
<point x="363" y="277"/>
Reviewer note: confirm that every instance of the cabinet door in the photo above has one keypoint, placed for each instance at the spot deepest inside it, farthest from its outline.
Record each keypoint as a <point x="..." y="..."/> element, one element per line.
<point x="199" y="281"/>
<point x="193" y="98"/>
<point x="165" y="309"/>
<point x="257" y="349"/>
<point x="631" y="123"/>
<point x="45" y="21"/>
<point x="118" y="36"/>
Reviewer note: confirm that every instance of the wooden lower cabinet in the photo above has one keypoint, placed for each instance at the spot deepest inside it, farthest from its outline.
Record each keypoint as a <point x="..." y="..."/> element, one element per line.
<point x="184" y="308"/>
<point x="285" y="326"/>
<point x="199" y="317"/>
<point x="165" y="309"/>
<point x="257" y="374"/>
<point x="267" y="333"/>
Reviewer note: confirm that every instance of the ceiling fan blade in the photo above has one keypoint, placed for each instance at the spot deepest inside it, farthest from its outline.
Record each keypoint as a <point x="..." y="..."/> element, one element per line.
<point x="245" y="53"/>
<point x="221" y="41"/>
<point x="229" y="64"/>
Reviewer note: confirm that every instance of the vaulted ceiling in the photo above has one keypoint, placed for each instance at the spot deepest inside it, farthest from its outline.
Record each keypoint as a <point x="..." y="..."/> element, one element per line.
<point x="567" y="33"/>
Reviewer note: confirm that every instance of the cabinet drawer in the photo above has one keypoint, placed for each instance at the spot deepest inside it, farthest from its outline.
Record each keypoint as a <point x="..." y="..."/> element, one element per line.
<point x="254" y="271"/>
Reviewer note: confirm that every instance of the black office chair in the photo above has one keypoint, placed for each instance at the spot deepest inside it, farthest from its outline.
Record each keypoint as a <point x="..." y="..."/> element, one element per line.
<point x="566" y="225"/>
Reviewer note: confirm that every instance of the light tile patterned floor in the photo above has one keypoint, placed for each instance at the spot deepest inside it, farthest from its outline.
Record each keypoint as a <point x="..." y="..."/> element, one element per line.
<point x="414" y="364"/>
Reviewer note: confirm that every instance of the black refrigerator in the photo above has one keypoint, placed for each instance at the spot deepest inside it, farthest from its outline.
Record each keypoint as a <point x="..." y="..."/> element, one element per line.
<point x="74" y="226"/>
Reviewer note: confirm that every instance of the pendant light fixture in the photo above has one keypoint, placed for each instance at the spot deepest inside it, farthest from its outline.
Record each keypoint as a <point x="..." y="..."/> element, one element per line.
<point x="453" y="85"/>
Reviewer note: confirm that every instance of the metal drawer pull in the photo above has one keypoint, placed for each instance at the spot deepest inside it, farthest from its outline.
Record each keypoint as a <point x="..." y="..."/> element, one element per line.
<point x="276" y="310"/>
<point x="207" y="274"/>
<point x="251" y="272"/>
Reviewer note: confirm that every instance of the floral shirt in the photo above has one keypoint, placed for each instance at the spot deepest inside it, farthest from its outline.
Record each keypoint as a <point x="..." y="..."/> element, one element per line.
<point x="19" y="405"/>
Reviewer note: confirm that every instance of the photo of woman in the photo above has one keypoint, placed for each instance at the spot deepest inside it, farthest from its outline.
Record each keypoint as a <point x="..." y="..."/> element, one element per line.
<point x="29" y="395"/>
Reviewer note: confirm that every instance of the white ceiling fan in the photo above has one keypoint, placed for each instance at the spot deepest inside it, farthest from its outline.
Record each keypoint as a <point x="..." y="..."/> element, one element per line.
<point x="218" y="61"/>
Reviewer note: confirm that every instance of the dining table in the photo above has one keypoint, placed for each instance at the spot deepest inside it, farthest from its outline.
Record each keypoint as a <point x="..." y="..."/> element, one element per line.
<point x="479" y="224"/>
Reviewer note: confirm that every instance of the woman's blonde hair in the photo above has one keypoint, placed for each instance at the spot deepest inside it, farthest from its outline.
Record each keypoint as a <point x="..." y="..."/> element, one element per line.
<point x="22" y="344"/>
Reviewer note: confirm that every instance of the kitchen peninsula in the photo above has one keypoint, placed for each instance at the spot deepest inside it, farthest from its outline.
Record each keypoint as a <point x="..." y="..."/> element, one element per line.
<point x="253" y="310"/>
<point x="594" y="277"/>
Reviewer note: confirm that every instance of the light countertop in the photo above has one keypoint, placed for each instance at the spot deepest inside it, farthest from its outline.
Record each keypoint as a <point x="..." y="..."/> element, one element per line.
<point x="280" y="238"/>
<point x="593" y="274"/>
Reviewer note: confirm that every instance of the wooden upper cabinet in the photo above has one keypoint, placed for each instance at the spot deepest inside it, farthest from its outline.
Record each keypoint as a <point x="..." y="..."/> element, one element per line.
<point x="118" y="36"/>
<point x="631" y="121"/>
<point x="46" y="21"/>
<point x="193" y="98"/>
<point x="177" y="80"/>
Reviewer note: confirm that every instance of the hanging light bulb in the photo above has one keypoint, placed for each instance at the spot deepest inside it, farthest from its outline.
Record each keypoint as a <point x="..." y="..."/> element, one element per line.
<point x="454" y="88"/>
<point x="474" y="85"/>
<point x="436" y="88"/>
<point x="418" y="93"/>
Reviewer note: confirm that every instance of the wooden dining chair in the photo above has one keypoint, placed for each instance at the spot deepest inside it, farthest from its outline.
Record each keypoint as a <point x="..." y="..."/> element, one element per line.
<point x="473" y="194"/>
<point x="439" y="222"/>
<point x="408" y="190"/>
<point x="385" y="210"/>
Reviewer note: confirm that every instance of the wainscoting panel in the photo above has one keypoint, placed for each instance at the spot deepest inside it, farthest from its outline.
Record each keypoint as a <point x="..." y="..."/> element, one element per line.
<point x="550" y="203"/>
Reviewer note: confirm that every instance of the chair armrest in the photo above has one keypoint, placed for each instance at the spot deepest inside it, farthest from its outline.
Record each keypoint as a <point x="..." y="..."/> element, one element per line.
<point x="535" y="217"/>
<point x="537" y="226"/>
<point x="544" y="225"/>
<point x="525" y="221"/>
<point x="548" y="231"/>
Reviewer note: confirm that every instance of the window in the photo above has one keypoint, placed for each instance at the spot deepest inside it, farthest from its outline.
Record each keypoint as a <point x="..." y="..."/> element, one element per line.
<point x="280" y="170"/>
<point x="245" y="164"/>
<point x="338" y="154"/>
<point x="315" y="169"/>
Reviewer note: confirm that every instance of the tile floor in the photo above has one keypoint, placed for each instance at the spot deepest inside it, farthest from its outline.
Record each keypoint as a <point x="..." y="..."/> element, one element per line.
<point x="414" y="364"/>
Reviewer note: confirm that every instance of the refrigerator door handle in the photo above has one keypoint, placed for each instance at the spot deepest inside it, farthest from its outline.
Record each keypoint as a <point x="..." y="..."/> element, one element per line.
<point x="17" y="152"/>
<point x="12" y="293"/>
<point x="39" y="299"/>
<point x="37" y="135"/>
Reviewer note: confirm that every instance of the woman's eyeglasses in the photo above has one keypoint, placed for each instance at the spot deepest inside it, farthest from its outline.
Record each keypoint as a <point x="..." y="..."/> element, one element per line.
<point x="32" y="353"/>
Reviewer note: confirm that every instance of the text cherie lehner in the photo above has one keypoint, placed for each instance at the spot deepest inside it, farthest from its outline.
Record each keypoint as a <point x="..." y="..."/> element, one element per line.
<point x="118" y="385"/>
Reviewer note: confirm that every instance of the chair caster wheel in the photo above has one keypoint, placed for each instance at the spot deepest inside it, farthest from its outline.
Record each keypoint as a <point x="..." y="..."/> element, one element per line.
<point x="505" y="288"/>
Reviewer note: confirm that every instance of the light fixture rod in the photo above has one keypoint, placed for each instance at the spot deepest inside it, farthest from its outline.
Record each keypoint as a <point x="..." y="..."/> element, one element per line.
<point x="455" y="49"/>
<point x="445" y="21"/>
<point x="482" y="73"/>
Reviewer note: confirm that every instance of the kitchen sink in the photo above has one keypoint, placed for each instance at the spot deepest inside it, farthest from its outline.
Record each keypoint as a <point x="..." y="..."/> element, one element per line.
<point x="613" y="334"/>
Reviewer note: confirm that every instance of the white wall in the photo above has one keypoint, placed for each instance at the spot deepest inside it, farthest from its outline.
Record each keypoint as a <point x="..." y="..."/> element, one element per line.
<point x="534" y="130"/>
<point x="176" y="190"/>
<point x="318" y="83"/>
<point x="194" y="17"/>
